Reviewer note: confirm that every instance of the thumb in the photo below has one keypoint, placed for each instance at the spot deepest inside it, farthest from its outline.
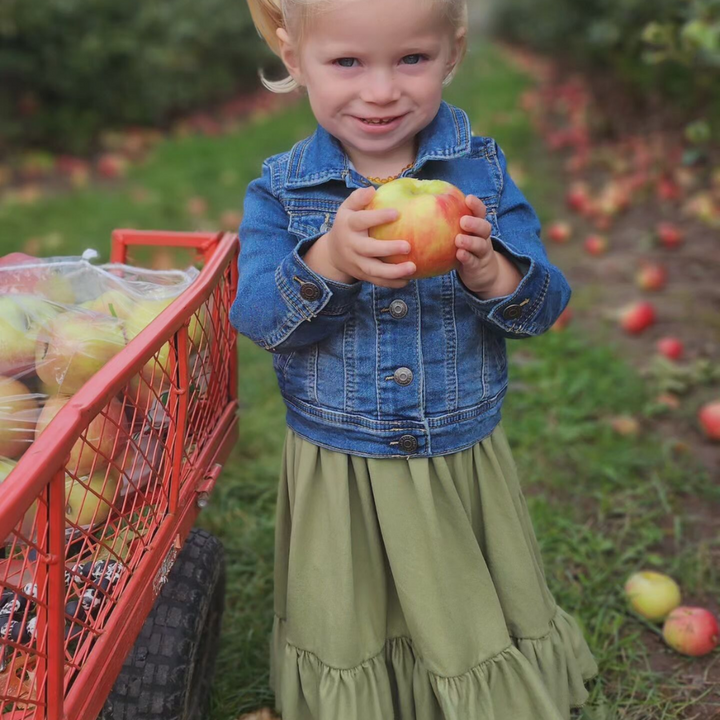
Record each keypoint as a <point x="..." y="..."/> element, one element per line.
<point x="359" y="199"/>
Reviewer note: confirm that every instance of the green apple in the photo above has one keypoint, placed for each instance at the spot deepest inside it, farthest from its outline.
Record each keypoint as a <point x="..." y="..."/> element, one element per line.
<point x="112" y="302"/>
<point x="18" y="416"/>
<point x="6" y="467"/>
<point x="430" y="212"/>
<point x="20" y="318"/>
<point x="88" y="501"/>
<point x="105" y="437"/>
<point x="652" y="594"/>
<point x="74" y="345"/>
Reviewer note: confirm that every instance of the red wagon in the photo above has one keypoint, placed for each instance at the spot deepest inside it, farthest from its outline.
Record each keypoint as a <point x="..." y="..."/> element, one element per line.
<point x="112" y="601"/>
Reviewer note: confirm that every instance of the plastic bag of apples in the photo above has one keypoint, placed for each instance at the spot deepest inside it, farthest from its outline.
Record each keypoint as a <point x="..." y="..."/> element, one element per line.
<point x="61" y="320"/>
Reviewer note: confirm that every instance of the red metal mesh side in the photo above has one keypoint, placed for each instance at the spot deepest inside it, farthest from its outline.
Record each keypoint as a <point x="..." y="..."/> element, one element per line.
<point x="211" y="342"/>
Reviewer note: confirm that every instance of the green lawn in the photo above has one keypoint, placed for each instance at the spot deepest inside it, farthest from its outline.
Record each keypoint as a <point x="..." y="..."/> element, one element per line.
<point x="602" y="504"/>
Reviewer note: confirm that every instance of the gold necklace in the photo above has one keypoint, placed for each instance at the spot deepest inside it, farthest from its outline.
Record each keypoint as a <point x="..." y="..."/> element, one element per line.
<point x="382" y="181"/>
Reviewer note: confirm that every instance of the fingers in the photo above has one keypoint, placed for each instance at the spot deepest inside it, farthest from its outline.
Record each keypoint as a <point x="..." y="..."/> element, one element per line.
<point x="476" y="226"/>
<point x="359" y="199"/>
<point x="478" y="247"/>
<point x="363" y="220"/>
<point x="384" y="248"/>
<point x="380" y="273"/>
<point x="476" y="205"/>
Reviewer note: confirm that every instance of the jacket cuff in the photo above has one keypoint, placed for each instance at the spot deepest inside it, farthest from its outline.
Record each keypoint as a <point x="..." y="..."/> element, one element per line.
<point x="513" y="314"/>
<point x="308" y="294"/>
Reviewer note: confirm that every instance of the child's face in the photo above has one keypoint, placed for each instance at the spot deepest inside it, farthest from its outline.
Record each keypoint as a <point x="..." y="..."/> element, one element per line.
<point x="375" y="59"/>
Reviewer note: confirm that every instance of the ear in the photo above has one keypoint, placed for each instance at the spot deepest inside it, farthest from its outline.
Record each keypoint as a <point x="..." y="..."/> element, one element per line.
<point x="458" y="42"/>
<point x="290" y="55"/>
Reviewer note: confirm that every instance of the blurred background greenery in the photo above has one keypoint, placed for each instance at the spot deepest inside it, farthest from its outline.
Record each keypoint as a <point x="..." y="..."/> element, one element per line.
<point x="71" y="68"/>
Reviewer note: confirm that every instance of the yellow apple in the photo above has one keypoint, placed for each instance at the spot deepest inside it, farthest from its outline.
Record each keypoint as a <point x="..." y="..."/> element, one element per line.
<point x="88" y="501"/>
<point x="20" y="318"/>
<point x="430" y="212"/>
<point x="112" y="302"/>
<point x="108" y="433"/>
<point x="652" y="594"/>
<point x="18" y="416"/>
<point x="74" y="345"/>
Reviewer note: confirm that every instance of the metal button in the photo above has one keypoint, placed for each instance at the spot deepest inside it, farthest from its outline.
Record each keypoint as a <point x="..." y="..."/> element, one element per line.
<point x="398" y="309"/>
<point x="408" y="443"/>
<point x="310" y="291"/>
<point x="512" y="312"/>
<point x="403" y="376"/>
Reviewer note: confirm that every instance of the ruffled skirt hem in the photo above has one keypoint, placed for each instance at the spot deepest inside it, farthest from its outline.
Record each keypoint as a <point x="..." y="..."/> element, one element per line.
<point x="531" y="679"/>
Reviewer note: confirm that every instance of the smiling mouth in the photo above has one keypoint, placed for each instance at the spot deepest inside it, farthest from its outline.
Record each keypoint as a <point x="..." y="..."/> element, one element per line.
<point x="379" y="121"/>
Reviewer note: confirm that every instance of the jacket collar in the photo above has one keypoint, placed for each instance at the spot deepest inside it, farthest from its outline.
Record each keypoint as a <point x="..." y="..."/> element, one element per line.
<point x="320" y="157"/>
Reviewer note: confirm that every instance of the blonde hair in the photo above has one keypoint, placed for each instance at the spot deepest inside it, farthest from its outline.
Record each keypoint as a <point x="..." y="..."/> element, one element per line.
<point x="294" y="17"/>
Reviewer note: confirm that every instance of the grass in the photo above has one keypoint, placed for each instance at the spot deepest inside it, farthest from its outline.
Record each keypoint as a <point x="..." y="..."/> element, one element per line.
<point x="603" y="504"/>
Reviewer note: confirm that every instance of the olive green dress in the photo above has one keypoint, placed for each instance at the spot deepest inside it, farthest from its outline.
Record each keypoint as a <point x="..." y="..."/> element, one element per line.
<point x="414" y="589"/>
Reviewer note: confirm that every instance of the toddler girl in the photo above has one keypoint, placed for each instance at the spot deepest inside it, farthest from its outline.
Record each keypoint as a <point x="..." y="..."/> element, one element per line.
<point x="408" y="579"/>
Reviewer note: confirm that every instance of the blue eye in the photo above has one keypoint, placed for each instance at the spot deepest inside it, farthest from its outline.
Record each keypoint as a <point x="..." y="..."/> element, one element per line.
<point x="414" y="59"/>
<point x="341" y="62"/>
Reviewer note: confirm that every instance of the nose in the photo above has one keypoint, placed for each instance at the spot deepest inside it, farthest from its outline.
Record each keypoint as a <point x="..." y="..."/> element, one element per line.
<point x="380" y="87"/>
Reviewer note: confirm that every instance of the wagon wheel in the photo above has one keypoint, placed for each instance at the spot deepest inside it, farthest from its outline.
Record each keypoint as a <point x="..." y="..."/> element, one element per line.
<point x="168" y="673"/>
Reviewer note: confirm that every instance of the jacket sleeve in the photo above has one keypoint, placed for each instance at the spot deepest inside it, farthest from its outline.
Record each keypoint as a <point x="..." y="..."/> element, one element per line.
<point x="543" y="292"/>
<point x="281" y="304"/>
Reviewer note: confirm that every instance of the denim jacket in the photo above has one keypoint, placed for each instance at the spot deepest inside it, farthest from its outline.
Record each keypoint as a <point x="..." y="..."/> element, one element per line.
<point x="383" y="372"/>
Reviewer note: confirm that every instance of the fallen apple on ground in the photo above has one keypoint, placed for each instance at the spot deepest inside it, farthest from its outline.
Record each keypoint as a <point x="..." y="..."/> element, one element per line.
<point x="651" y="276"/>
<point x="429" y="219"/>
<point x="637" y="317"/>
<point x="691" y="631"/>
<point x="18" y="415"/>
<point x="709" y="416"/>
<point x="596" y="244"/>
<point x="671" y="347"/>
<point x="652" y="594"/>
<point x="669" y="235"/>
<point x="559" y="231"/>
<point x="563" y="320"/>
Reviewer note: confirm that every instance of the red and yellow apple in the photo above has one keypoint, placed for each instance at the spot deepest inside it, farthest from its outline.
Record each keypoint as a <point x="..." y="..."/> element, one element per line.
<point x="18" y="416"/>
<point x="113" y="302"/>
<point x="691" y="631"/>
<point x="559" y="231"/>
<point x="430" y="212"/>
<point x="651" y="276"/>
<point x="106" y="435"/>
<point x="6" y="467"/>
<point x="596" y="244"/>
<point x="73" y="346"/>
<point x="652" y="594"/>
<point x="20" y="318"/>
<point x="671" y="347"/>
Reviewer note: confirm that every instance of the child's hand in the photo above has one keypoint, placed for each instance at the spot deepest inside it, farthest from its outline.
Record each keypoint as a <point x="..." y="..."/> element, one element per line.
<point x="480" y="266"/>
<point x="352" y="252"/>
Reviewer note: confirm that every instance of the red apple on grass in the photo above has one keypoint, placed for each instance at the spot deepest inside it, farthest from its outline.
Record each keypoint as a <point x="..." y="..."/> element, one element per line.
<point x="18" y="416"/>
<point x="691" y="631"/>
<point x="652" y="594"/>
<point x="671" y="347"/>
<point x="651" y="276"/>
<point x="563" y="320"/>
<point x="596" y="244"/>
<point x="430" y="212"/>
<point x="559" y="231"/>
<point x="669" y="235"/>
<point x="636" y="317"/>
<point x="709" y="416"/>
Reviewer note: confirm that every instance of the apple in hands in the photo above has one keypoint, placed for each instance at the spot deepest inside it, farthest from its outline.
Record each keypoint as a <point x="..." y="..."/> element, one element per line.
<point x="73" y="346"/>
<point x="429" y="219"/>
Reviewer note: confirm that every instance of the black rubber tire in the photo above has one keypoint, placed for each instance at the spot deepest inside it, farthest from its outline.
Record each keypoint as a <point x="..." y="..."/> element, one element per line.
<point x="168" y="673"/>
